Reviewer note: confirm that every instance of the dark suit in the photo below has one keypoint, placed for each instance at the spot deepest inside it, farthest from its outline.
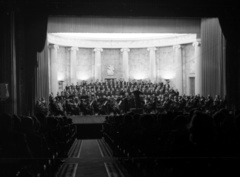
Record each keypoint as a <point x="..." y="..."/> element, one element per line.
<point x="137" y="94"/>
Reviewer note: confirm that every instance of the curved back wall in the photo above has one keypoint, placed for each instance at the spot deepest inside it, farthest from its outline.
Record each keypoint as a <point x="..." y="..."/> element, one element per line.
<point x="139" y="64"/>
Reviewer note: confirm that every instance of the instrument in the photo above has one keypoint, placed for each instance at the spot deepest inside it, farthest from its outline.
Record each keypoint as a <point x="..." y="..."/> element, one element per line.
<point x="60" y="106"/>
<point x="119" y="103"/>
<point x="105" y="103"/>
<point x="91" y="102"/>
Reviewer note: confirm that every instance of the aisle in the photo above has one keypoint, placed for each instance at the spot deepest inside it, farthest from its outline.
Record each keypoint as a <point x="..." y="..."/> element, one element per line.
<point x="90" y="158"/>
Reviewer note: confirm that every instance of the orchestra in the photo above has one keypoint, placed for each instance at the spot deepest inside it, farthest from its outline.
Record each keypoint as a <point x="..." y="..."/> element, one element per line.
<point x="103" y="98"/>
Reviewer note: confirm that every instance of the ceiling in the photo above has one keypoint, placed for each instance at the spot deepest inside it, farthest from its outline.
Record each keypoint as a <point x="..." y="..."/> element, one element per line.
<point x="166" y="8"/>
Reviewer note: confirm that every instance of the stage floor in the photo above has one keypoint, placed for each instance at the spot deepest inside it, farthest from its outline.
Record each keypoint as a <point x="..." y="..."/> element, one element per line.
<point x="88" y="119"/>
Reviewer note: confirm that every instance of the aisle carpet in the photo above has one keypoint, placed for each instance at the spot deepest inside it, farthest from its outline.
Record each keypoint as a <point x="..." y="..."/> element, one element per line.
<point x="91" y="158"/>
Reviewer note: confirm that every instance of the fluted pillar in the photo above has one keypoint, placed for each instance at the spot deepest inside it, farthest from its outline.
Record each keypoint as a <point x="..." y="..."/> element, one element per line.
<point x="54" y="69"/>
<point x="125" y="64"/>
<point x="73" y="64"/>
<point x="179" y="68"/>
<point x="153" y="65"/>
<point x="198" y="67"/>
<point x="98" y="64"/>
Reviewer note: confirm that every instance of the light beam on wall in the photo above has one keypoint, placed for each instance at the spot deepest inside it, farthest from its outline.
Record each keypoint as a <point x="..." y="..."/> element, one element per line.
<point x="82" y="76"/>
<point x="60" y="76"/>
<point x="139" y="76"/>
<point x="168" y="74"/>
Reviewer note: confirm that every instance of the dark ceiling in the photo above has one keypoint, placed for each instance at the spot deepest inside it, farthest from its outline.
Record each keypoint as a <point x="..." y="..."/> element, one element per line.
<point x="153" y="8"/>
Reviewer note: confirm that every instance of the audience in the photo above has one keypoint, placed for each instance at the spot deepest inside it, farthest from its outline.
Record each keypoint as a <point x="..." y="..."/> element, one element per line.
<point x="27" y="148"/>
<point x="176" y="143"/>
<point x="175" y="135"/>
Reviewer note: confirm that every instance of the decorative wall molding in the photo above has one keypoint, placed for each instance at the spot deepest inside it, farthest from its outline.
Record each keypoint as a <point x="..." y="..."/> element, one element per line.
<point x="98" y="49"/>
<point x="176" y="47"/>
<point x="84" y="43"/>
<point x="125" y="50"/>
<point x="197" y="43"/>
<point x="73" y="49"/>
<point x="53" y="46"/>
<point x="151" y="49"/>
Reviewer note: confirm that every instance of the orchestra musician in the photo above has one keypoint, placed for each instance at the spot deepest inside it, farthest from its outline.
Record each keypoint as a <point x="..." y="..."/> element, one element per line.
<point x="137" y="94"/>
<point x="125" y="102"/>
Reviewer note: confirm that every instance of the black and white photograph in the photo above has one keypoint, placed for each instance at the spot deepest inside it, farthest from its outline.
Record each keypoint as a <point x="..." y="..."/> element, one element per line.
<point x="119" y="88"/>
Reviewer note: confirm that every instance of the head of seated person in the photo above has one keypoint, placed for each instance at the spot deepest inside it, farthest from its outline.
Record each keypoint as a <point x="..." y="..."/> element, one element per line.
<point x="220" y="116"/>
<point x="16" y="122"/>
<point x="6" y="122"/>
<point x="42" y="118"/>
<point x="37" y="124"/>
<point x="192" y="111"/>
<point x="52" y="122"/>
<point x="27" y="124"/>
<point x="202" y="129"/>
<point x="179" y="123"/>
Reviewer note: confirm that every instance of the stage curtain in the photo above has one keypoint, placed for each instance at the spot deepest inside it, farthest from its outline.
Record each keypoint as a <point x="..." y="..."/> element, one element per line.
<point x="213" y="58"/>
<point x="7" y="57"/>
<point x="231" y="26"/>
<point x="41" y="73"/>
<point x="36" y="32"/>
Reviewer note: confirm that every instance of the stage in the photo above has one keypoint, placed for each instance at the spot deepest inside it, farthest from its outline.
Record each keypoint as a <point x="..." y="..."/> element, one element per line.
<point x="88" y="119"/>
<point x="89" y="126"/>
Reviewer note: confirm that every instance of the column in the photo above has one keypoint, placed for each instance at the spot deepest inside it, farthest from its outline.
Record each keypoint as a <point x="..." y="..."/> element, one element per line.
<point x="153" y="65"/>
<point x="198" y="67"/>
<point x="125" y="63"/>
<point x="179" y="68"/>
<point x="73" y="64"/>
<point x="98" y="64"/>
<point x="54" y="69"/>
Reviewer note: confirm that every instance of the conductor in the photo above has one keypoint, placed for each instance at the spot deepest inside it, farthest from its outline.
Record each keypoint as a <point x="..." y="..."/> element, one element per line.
<point x="137" y="94"/>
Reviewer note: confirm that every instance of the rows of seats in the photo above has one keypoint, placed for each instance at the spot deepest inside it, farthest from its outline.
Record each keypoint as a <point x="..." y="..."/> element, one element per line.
<point x="34" y="146"/>
<point x="175" y="144"/>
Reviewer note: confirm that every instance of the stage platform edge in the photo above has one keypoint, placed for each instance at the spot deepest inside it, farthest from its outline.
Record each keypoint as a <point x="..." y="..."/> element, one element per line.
<point x="88" y="119"/>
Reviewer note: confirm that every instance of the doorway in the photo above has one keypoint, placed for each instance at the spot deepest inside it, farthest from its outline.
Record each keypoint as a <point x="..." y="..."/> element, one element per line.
<point x="192" y="85"/>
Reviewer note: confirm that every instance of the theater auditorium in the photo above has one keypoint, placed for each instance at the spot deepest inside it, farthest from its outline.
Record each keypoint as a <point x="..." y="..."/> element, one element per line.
<point x="119" y="89"/>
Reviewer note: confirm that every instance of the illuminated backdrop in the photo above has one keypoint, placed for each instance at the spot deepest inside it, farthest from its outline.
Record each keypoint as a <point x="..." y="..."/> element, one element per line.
<point x="138" y="59"/>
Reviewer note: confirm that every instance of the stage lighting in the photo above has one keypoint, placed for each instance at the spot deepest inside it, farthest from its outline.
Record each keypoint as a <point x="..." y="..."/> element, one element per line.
<point x="60" y="76"/>
<point x="139" y="76"/>
<point x="168" y="75"/>
<point x="82" y="76"/>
